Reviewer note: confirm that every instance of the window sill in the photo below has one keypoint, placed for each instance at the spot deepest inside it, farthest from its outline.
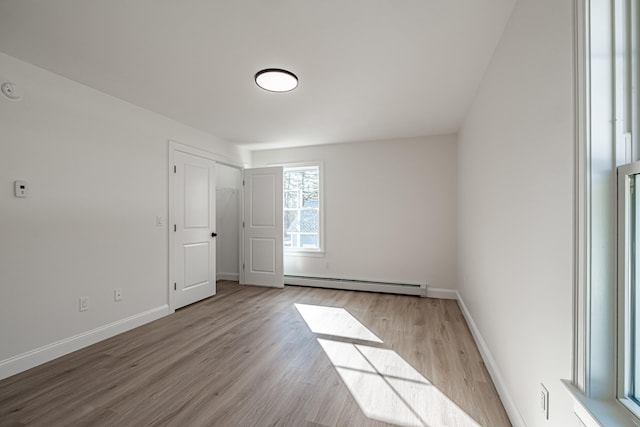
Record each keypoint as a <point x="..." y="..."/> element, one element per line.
<point x="599" y="413"/>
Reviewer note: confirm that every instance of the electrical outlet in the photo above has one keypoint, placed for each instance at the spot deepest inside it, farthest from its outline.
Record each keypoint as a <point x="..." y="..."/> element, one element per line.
<point x="117" y="294"/>
<point x="544" y="400"/>
<point x="84" y="303"/>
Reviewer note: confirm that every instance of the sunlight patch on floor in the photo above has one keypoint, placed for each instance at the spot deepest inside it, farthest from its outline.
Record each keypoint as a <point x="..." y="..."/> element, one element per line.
<point x="384" y="385"/>
<point x="388" y="389"/>
<point x="336" y="322"/>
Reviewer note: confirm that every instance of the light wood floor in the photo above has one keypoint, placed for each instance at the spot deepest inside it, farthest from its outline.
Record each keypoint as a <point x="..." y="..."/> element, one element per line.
<point x="246" y="357"/>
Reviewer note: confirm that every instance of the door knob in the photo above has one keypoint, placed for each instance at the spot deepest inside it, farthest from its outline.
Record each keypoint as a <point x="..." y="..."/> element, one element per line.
<point x="214" y="234"/>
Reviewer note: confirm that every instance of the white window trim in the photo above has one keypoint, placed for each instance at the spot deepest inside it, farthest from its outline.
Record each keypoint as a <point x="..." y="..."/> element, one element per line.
<point x="321" y="249"/>
<point x="595" y="384"/>
<point x="599" y="412"/>
<point x="623" y="312"/>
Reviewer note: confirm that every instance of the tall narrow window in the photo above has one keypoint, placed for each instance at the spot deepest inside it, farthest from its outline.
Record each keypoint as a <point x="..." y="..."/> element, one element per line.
<point x="607" y="41"/>
<point x="302" y="209"/>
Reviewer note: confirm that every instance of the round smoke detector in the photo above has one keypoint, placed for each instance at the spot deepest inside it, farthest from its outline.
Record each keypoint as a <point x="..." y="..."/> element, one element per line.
<point x="11" y="91"/>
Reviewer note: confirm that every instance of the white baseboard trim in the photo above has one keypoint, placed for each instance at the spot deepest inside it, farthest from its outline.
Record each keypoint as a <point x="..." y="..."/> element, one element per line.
<point x="442" y="293"/>
<point x="38" y="356"/>
<point x="262" y="285"/>
<point x="509" y="405"/>
<point x="419" y="289"/>
<point x="358" y="285"/>
<point x="228" y="276"/>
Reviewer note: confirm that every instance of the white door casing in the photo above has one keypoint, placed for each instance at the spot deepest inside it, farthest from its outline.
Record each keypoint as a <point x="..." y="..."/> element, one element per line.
<point x="193" y="228"/>
<point x="263" y="228"/>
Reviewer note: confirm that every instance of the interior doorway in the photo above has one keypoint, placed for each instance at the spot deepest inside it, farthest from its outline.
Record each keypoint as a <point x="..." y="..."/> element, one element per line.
<point x="228" y="213"/>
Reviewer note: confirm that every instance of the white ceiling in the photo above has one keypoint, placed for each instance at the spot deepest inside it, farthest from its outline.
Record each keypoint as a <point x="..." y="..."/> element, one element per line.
<point x="368" y="69"/>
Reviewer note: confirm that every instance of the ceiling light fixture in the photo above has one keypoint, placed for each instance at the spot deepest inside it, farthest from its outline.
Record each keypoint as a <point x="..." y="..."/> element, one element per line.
<point x="276" y="80"/>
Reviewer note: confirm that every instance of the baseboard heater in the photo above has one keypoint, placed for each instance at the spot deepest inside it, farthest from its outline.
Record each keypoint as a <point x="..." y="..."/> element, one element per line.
<point x="419" y="289"/>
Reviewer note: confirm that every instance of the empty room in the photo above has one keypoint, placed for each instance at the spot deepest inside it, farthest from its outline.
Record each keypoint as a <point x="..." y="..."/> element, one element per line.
<point x="319" y="213"/>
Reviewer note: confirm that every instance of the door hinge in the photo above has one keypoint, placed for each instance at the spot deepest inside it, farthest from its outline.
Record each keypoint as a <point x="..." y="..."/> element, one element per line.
<point x="243" y="182"/>
<point x="242" y="224"/>
<point x="243" y="266"/>
<point x="175" y="227"/>
<point x="175" y="286"/>
<point x="175" y="170"/>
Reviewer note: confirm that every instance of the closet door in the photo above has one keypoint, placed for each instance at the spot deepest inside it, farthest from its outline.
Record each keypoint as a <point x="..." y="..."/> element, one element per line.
<point x="263" y="228"/>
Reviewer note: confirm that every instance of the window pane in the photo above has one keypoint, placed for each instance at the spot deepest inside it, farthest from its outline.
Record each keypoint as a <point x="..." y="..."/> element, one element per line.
<point x="302" y="207"/>
<point x="290" y="199"/>
<point x="309" y="221"/>
<point x="310" y="200"/>
<point x="290" y="181"/>
<point x="291" y="222"/>
<point x="309" y="240"/>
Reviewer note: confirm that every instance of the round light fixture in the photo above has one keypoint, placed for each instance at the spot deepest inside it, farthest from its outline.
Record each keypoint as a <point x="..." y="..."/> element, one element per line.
<point x="276" y="80"/>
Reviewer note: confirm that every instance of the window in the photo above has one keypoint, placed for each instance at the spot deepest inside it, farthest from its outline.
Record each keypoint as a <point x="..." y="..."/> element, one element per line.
<point x="628" y="255"/>
<point x="302" y="208"/>
<point x="606" y="378"/>
<point x="628" y="285"/>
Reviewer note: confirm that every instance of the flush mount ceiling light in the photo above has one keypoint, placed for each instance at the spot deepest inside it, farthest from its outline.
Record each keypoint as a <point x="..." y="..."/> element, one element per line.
<point x="276" y="80"/>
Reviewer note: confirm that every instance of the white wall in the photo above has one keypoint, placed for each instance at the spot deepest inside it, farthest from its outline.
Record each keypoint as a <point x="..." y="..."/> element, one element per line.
<point x="228" y="184"/>
<point x="390" y="210"/>
<point x="98" y="172"/>
<point x="515" y="192"/>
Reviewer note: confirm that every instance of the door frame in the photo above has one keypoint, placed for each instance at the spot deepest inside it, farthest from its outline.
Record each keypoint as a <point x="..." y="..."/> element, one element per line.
<point x="174" y="147"/>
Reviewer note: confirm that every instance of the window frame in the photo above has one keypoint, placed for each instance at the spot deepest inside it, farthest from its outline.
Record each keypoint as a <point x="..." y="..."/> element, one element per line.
<point x="606" y="137"/>
<point x="625" y="382"/>
<point x="321" y="249"/>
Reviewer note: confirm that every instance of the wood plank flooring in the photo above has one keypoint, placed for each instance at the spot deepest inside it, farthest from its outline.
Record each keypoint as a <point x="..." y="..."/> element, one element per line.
<point x="246" y="357"/>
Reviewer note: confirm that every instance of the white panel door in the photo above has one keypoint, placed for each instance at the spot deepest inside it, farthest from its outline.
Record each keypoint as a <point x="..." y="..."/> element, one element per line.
<point x="262" y="241"/>
<point x="194" y="229"/>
